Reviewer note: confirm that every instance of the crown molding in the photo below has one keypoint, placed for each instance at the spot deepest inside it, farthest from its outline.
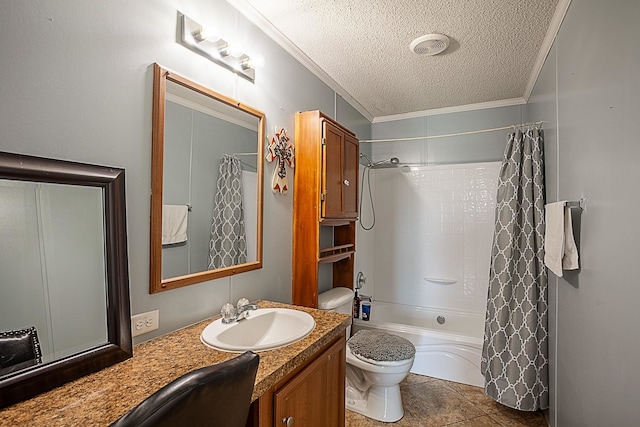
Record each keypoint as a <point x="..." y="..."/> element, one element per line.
<point x="448" y="110"/>
<point x="547" y="43"/>
<point x="272" y="32"/>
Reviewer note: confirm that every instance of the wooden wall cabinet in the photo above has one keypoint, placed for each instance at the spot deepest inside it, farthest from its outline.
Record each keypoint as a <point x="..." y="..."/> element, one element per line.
<point x="339" y="192"/>
<point x="325" y="204"/>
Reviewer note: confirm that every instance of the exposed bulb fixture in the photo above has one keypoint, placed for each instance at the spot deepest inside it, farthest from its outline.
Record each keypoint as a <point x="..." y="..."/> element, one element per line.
<point x="201" y="40"/>
<point x="199" y="35"/>
<point x="255" y="62"/>
<point x="204" y="34"/>
<point x="224" y="50"/>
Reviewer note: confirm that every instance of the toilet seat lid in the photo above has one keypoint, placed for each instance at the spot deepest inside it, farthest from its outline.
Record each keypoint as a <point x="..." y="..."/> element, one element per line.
<point x="377" y="362"/>
<point x="378" y="347"/>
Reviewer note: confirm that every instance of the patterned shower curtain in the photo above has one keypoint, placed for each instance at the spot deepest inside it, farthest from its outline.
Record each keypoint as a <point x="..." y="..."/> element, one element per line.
<point x="228" y="245"/>
<point x="514" y="355"/>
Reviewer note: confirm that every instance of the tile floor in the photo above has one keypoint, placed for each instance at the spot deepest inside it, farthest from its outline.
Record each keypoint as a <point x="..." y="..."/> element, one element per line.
<point x="431" y="402"/>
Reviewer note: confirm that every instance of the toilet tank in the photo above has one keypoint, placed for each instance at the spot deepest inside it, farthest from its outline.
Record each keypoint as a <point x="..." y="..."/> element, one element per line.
<point x="337" y="299"/>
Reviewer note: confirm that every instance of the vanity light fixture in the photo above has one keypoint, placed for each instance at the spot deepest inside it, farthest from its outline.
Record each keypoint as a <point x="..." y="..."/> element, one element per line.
<point x="197" y="38"/>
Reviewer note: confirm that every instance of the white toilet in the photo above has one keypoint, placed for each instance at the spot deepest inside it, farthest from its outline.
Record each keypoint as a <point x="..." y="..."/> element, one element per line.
<point x="376" y="364"/>
<point x="339" y="300"/>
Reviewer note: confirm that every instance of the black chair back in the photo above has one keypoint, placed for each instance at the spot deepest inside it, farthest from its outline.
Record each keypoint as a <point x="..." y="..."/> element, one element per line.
<point x="217" y="395"/>
<point x="19" y="349"/>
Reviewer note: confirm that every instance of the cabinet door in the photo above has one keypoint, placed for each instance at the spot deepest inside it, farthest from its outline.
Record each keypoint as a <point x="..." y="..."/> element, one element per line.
<point x="332" y="171"/>
<point x="350" y="177"/>
<point x="315" y="397"/>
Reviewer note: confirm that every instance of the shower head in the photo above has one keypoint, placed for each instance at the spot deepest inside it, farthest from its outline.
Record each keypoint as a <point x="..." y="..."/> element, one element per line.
<point x="367" y="158"/>
<point x="393" y="161"/>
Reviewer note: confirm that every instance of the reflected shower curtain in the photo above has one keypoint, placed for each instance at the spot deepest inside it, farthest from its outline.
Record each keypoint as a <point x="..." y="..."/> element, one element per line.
<point x="228" y="245"/>
<point x="514" y="354"/>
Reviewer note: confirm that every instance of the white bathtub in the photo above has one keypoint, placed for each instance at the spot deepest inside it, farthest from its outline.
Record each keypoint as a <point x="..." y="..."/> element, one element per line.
<point x="450" y="351"/>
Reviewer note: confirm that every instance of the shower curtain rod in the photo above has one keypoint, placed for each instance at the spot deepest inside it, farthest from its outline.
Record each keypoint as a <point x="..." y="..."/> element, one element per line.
<point x="245" y="154"/>
<point x="454" y="134"/>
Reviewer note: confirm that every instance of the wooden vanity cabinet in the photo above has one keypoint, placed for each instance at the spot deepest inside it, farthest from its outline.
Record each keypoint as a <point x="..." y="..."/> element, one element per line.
<point x="325" y="204"/>
<point x="313" y="396"/>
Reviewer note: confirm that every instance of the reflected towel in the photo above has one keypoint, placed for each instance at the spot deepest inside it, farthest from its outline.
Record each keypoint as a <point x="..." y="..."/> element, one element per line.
<point x="560" y="250"/>
<point x="174" y="224"/>
<point x="570" y="257"/>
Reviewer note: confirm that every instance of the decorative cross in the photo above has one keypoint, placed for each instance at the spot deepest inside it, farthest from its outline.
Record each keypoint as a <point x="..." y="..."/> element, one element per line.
<point x="280" y="148"/>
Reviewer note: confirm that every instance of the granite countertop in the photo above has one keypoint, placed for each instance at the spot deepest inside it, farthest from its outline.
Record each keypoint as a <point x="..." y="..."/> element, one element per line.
<point x="100" y="398"/>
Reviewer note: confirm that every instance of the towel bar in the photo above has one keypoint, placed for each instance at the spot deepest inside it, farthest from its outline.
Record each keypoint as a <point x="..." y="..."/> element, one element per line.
<point x="582" y="204"/>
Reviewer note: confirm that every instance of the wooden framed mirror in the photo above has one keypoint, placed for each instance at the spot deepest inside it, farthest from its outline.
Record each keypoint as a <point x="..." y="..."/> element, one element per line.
<point x="63" y="260"/>
<point x="206" y="148"/>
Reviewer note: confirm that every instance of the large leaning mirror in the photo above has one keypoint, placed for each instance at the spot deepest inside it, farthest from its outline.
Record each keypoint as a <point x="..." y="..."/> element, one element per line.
<point x="206" y="184"/>
<point x="64" y="298"/>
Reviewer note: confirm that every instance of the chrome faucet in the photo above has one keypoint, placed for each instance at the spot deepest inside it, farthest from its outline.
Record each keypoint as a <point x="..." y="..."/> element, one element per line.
<point x="231" y="314"/>
<point x="244" y="307"/>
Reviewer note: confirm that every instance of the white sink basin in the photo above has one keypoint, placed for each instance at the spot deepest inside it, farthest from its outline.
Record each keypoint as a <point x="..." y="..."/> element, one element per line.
<point x="263" y="329"/>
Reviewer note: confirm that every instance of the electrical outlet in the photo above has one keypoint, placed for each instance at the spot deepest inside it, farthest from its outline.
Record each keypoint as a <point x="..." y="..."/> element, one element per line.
<point x="145" y="322"/>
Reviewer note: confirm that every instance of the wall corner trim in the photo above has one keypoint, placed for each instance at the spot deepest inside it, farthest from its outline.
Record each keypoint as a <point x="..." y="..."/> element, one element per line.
<point x="547" y="43"/>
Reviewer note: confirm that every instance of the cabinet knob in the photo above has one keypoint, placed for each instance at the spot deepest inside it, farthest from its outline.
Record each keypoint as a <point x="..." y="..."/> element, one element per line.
<point x="287" y="421"/>
<point x="346" y="182"/>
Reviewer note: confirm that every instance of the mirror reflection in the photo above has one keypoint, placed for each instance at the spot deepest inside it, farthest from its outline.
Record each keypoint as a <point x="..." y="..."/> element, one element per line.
<point x="207" y="184"/>
<point x="52" y="260"/>
<point x="64" y="298"/>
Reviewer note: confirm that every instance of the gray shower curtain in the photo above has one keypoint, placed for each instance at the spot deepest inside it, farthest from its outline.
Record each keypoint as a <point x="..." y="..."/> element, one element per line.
<point x="228" y="245"/>
<point x="514" y="354"/>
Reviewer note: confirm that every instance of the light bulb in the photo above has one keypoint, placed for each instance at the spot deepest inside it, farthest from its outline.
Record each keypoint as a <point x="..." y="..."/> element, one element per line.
<point x="257" y="62"/>
<point x="204" y="34"/>
<point x="200" y="34"/>
<point x="235" y="50"/>
<point x="224" y="50"/>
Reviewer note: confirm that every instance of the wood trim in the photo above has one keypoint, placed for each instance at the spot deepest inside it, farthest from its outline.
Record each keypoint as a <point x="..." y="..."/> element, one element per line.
<point x="156" y="282"/>
<point x="157" y="166"/>
<point x="306" y="207"/>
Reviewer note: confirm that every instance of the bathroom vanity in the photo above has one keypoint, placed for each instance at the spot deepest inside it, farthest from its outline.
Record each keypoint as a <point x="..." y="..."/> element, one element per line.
<point x="304" y="380"/>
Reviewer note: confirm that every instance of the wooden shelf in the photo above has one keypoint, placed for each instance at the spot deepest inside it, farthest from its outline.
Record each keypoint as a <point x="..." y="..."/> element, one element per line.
<point x="329" y="222"/>
<point x="336" y="253"/>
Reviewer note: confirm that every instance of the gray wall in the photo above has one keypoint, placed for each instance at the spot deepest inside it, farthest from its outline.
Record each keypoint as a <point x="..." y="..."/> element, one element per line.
<point x="587" y="94"/>
<point x="479" y="147"/>
<point x="77" y="84"/>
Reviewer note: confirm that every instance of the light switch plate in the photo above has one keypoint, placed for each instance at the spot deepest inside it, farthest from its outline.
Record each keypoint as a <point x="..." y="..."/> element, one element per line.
<point x="145" y="322"/>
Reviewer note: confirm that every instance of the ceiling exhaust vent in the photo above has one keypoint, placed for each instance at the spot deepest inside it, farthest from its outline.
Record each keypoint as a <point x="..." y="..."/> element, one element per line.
<point x="430" y="44"/>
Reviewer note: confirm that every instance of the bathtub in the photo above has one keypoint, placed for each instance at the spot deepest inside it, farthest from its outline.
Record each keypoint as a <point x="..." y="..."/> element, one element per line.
<point x="448" y="343"/>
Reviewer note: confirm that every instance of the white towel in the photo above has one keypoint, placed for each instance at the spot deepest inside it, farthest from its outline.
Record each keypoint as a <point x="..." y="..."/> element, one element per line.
<point x="174" y="224"/>
<point x="570" y="257"/>
<point x="560" y="250"/>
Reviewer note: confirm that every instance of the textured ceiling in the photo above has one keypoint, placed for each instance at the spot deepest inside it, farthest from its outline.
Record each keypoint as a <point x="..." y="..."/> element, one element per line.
<point x="363" y="46"/>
